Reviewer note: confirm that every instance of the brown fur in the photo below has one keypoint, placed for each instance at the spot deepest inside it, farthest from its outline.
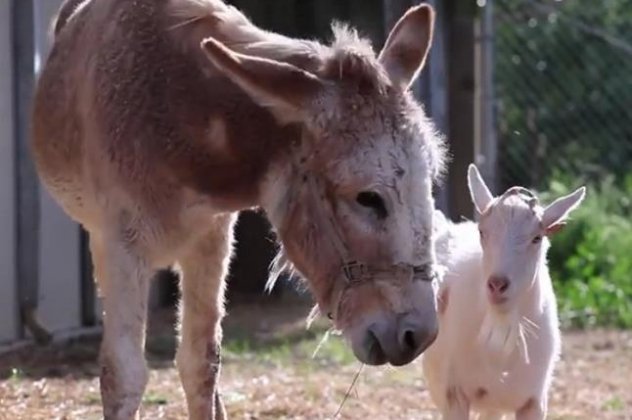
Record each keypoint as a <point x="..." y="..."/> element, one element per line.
<point x="66" y="11"/>
<point x="154" y="120"/>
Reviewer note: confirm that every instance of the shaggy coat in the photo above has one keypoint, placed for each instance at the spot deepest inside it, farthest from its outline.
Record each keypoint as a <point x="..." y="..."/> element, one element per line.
<point x="156" y="121"/>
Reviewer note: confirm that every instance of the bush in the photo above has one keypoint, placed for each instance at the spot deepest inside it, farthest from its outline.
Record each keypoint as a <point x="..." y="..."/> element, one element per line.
<point x="590" y="260"/>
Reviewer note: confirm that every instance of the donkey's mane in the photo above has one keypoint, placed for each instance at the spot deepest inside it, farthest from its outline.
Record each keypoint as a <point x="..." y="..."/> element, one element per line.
<point x="352" y="58"/>
<point x="348" y="57"/>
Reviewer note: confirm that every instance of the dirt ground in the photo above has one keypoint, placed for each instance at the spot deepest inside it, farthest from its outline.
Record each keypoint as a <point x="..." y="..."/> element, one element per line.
<point x="269" y="373"/>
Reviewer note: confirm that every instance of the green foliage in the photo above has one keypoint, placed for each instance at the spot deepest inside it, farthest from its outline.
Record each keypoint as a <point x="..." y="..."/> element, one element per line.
<point x="590" y="259"/>
<point x="563" y="88"/>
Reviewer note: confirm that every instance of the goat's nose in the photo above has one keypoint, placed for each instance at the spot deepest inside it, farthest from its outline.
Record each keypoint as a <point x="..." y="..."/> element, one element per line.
<point x="497" y="285"/>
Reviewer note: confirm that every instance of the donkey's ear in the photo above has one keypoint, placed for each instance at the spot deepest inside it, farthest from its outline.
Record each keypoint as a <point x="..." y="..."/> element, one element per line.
<point x="555" y="213"/>
<point x="407" y="46"/>
<point x="481" y="197"/>
<point x="283" y="88"/>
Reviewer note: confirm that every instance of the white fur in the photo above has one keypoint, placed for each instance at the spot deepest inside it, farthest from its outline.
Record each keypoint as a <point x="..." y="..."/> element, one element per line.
<point x="488" y="359"/>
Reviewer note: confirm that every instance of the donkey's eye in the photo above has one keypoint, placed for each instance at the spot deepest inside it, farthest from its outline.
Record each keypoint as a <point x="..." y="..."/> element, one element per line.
<point x="373" y="201"/>
<point x="537" y="239"/>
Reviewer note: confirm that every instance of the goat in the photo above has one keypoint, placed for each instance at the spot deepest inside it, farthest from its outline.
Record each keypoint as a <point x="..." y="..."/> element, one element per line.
<point x="499" y="337"/>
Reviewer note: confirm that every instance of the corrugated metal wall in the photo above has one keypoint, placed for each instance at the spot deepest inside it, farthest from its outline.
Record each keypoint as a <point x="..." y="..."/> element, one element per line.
<point x="50" y="256"/>
<point x="8" y="292"/>
<point x="59" y="236"/>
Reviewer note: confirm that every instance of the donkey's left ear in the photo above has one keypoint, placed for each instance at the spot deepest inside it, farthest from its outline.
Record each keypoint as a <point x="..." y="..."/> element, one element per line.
<point x="283" y="88"/>
<point x="555" y="214"/>
<point x="406" y="48"/>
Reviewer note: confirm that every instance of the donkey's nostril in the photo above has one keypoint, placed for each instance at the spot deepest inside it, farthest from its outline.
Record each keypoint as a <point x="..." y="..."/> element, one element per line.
<point x="408" y="340"/>
<point x="376" y="355"/>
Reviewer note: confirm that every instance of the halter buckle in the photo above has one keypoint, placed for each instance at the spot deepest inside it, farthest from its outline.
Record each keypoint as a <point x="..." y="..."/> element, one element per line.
<point x="354" y="271"/>
<point x="420" y="272"/>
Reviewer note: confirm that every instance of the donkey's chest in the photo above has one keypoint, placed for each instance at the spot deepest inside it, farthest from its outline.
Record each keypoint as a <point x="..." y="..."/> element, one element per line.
<point x="192" y="219"/>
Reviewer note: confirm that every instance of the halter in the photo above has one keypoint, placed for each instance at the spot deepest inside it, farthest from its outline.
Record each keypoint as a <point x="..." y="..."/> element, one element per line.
<point x="355" y="272"/>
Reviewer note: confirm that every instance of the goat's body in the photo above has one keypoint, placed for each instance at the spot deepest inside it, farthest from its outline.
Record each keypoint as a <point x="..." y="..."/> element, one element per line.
<point x="459" y="369"/>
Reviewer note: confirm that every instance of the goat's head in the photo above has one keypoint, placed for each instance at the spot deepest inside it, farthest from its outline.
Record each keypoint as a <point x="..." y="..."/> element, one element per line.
<point x="514" y="230"/>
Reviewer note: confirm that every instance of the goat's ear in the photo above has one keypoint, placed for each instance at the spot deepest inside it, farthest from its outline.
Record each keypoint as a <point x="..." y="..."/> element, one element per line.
<point x="554" y="228"/>
<point x="283" y="88"/>
<point x="481" y="197"/>
<point x="555" y="213"/>
<point x="406" y="48"/>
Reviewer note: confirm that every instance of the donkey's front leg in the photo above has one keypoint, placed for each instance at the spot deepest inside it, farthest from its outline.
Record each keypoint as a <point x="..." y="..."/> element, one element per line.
<point x="534" y="409"/>
<point x="125" y="289"/>
<point x="201" y="310"/>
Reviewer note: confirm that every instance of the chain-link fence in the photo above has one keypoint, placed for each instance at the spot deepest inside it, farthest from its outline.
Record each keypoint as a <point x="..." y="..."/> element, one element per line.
<point x="563" y="73"/>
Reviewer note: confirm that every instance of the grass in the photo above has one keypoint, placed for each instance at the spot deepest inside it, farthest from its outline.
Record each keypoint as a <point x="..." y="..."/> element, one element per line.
<point x="614" y="404"/>
<point x="299" y="346"/>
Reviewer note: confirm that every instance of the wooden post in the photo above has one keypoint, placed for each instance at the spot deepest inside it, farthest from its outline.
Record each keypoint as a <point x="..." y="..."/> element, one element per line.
<point x="366" y="16"/>
<point x="432" y="89"/>
<point x="462" y="32"/>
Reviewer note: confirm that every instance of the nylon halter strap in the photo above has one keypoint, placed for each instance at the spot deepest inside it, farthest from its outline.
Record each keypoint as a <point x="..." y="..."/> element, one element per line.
<point x="354" y="272"/>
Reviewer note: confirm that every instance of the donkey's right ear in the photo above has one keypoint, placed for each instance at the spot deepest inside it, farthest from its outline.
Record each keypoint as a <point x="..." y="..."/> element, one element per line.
<point x="407" y="46"/>
<point x="481" y="197"/>
<point x="283" y="88"/>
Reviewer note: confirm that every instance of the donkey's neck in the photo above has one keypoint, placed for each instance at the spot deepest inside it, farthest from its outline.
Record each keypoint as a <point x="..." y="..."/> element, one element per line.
<point x="195" y="21"/>
<point x="231" y="145"/>
<point x="240" y="152"/>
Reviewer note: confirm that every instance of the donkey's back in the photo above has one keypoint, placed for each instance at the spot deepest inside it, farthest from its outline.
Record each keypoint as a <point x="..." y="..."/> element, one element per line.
<point x="123" y="104"/>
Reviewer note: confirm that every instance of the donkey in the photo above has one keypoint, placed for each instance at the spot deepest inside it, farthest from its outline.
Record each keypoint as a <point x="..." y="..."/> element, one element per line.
<point x="156" y="121"/>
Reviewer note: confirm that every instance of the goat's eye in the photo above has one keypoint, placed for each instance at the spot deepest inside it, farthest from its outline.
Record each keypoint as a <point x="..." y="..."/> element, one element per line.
<point x="373" y="201"/>
<point x="537" y="239"/>
<point x="480" y="232"/>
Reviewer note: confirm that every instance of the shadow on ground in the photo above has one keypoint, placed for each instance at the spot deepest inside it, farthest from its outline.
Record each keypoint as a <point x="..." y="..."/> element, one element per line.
<point x="251" y="325"/>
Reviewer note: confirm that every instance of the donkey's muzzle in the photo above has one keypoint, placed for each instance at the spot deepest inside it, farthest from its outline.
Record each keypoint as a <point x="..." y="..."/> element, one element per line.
<point x="397" y="341"/>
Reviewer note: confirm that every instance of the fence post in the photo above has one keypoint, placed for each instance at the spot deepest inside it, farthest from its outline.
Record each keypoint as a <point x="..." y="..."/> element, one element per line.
<point x="393" y="10"/>
<point x="487" y="146"/>
<point x="461" y="19"/>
